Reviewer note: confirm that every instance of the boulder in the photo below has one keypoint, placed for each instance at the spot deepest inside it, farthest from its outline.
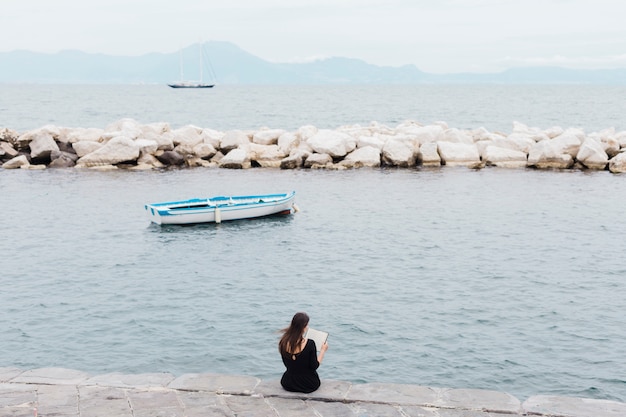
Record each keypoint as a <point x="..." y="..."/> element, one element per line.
<point x="367" y="156"/>
<point x="8" y="149"/>
<point x="124" y="127"/>
<point x="457" y="136"/>
<point x="235" y="159"/>
<point x="42" y="145"/>
<point x="212" y="137"/>
<point x="288" y="141"/>
<point x="232" y="139"/>
<point x="204" y="150"/>
<point x="568" y="143"/>
<point x="317" y="160"/>
<point x="374" y="141"/>
<point x="171" y="158"/>
<point x="59" y="159"/>
<point x="17" y="162"/>
<point x="188" y="136"/>
<point x="306" y="132"/>
<point x="458" y="154"/>
<point x="8" y="135"/>
<point x="117" y="150"/>
<point x="81" y="134"/>
<point x="617" y="164"/>
<point x="400" y="153"/>
<point x="516" y="141"/>
<point x="545" y="155"/>
<point x="336" y="144"/>
<point x="164" y="141"/>
<point x="149" y="160"/>
<point x="429" y="134"/>
<point x="149" y="146"/>
<point x="429" y="155"/>
<point x="267" y="137"/>
<point x="265" y="156"/>
<point x="592" y="155"/>
<point x="86" y="147"/>
<point x="504" y="157"/>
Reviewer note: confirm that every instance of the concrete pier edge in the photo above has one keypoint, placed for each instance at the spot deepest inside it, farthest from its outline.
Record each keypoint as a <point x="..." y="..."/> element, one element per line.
<point x="68" y="392"/>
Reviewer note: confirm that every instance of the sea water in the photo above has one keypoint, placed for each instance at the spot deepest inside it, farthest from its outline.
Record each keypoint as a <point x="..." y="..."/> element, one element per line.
<point x="499" y="279"/>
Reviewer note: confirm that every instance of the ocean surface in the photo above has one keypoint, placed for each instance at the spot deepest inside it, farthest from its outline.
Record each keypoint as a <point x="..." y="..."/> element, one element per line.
<point x="511" y="280"/>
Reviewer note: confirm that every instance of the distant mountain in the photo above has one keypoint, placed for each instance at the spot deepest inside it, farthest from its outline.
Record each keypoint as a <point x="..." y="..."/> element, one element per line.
<point x="232" y="65"/>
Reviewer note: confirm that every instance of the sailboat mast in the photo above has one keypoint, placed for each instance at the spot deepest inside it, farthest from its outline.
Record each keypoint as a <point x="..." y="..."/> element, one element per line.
<point x="201" y="56"/>
<point x="182" y="75"/>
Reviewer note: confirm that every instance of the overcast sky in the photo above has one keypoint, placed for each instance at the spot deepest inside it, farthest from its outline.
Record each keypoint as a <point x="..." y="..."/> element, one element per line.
<point x="439" y="36"/>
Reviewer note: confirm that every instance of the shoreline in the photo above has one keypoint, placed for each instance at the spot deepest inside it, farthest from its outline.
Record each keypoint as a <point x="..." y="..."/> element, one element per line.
<point x="127" y="144"/>
<point x="67" y="392"/>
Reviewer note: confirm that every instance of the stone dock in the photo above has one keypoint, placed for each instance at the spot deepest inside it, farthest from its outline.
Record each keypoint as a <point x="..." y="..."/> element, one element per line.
<point x="71" y="393"/>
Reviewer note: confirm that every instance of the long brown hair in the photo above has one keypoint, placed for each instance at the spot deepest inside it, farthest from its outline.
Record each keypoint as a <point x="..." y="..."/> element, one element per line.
<point x="292" y="335"/>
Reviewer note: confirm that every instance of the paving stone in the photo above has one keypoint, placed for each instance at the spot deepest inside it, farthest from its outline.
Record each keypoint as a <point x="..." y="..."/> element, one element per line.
<point x="291" y="407"/>
<point x="249" y="406"/>
<point x="57" y="400"/>
<point x="205" y="404"/>
<point x="17" y="395"/>
<point x="131" y="381"/>
<point x="51" y="376"/>
<point x="329" y="390"/>
<point x="362" y="409"/>
<point x="394" y="393"/>
<point x="97" y="401"/>
<point x="573" y="407"/>
<point x="16" y="412"/>
<point x="7" y="374"/>
<point x="482" y="400"/>
<point x="332" y="409"/>
<point x="216" y="383"/>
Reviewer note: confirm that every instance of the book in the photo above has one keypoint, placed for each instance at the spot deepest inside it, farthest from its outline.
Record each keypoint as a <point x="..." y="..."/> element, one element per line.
<point x="318" y="336"/>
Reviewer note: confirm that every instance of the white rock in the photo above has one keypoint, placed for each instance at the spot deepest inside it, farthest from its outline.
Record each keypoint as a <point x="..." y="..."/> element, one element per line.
<point x="453" y="154"/>
<point x="373" y="141"/>
<point x="504" y="157"/>
<point x="430" y="133"/>
<point x="8" y="149"/>
<point x="147" y="146"/>
<point x="118" y="149"/>
<point x="83" y="148"/>
<point x="567" y="143"/>
<point x="621" y="139"/>
<point x="428" y="155"/>
<point x="204" y="150"/>
<point x="91" y="134"/>
<point x="592" y="155"/>
<point x="187" y="135"/>
<point x="42" y="145"/>
<point x="306" y="132"/>
<point x="617" y="164"/>
<point x="553" y="132"/>
<point x="288" y="141"/>
<point x="165" y="141"/>
<point x="367" y="156"/>
<point x="235" y="159"/>
<point x="267" y="137"/>
<point x="336" y="144"/>
<point x="457" y="136"/>
<point x="516" y="141"/>
<point x="545" y="154"/>
<point x="266" y="156"/>
<point x="317" y="160"/>
<point x="123" y="127"/>
<point x="398" y="152"/>
<point x="232" y="139"/>
<point x="212" y="137"/>
<point x="17" y="162"/>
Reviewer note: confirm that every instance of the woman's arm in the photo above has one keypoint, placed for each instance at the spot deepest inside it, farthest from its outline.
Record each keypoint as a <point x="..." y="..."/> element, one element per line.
<point x="323" y="350"/>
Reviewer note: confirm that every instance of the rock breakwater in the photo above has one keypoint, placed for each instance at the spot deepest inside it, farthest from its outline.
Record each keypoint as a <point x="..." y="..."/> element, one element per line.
<point x="128" y="144"/>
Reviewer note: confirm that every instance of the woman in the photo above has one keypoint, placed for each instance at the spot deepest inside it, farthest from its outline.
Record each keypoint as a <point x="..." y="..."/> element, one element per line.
<point x="300" y="357"/>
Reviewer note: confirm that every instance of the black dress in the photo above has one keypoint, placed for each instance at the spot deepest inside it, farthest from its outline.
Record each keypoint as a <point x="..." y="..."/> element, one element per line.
<point x="301" y="374"/>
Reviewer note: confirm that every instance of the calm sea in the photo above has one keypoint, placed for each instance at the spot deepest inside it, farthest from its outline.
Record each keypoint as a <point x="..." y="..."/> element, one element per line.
<point x="511" y="280"/>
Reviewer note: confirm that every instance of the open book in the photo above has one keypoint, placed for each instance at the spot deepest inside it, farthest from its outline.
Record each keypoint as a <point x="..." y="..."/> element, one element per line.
<point x="318" y="336"/>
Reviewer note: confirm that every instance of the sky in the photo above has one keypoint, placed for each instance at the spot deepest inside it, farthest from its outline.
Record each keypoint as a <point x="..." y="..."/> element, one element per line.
<point x="437" y="36"/>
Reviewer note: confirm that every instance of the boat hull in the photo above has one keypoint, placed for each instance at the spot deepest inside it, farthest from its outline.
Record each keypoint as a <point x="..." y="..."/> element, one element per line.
<point x="192" y="85"/>
<point x="219" y="209"/>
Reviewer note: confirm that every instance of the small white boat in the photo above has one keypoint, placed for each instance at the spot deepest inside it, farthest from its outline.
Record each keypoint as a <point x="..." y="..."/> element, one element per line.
<point x="219" y="209"/>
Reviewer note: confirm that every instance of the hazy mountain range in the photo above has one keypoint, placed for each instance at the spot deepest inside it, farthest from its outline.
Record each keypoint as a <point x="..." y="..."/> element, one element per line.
<point x="232" y="65"/>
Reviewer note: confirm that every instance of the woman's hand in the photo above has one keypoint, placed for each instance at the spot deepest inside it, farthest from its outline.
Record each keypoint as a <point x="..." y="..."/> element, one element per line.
<point x="324" y="347"/>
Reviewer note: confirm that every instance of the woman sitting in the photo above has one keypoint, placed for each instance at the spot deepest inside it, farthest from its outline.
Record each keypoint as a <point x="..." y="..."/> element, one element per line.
<point x="300" y="357"/>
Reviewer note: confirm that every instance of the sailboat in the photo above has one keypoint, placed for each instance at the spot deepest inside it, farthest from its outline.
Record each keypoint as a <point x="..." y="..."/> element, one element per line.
<point x="191" y="84"/>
